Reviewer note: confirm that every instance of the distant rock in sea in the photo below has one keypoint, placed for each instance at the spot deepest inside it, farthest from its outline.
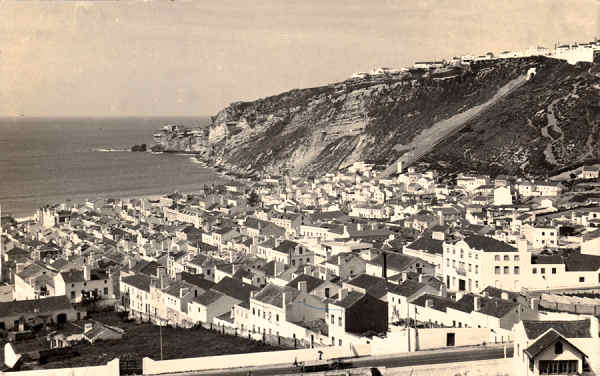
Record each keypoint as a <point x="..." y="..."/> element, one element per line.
<point x="141" y="147"/>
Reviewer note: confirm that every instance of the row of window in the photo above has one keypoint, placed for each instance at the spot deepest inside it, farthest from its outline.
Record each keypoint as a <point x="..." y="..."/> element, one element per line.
<point x="264" y="314"/>
<point x="506" y="270"/>
<point x="506" y="258"/>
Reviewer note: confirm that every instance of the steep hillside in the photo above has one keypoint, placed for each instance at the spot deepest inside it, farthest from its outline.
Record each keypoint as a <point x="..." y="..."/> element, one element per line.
<point x="531" y="127"/>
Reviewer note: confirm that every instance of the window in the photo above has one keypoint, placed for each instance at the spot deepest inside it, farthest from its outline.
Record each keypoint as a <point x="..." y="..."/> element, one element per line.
<point x="549" y="367"/>
<point x="253" y="312"/>
<point x="72" y="294"/>
<point x="497" y="258"/>
<point x="506" y="270"/>
<point x="106" y="291"/>
<point x="581" y="279"/>
<point x="340" y="342"/>
<point x="516" y="258"/>
<point x="506" y="258"/>
<point x="332" y="320"/>
<point x="558" y="348"/>
<point x="516" y="270"/>
<point x="553" y="270"/>
<point x="534" y="270"/>
<point x="476" y="269"/>
<point x="497" y="270"/>
<point x="340" y="321"/>
<point x="542" y="270"/>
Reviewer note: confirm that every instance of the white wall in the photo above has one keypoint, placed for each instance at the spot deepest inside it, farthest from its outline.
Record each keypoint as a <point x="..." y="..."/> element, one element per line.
<point x="110" y="369"/>
<point x="151" y="367"/>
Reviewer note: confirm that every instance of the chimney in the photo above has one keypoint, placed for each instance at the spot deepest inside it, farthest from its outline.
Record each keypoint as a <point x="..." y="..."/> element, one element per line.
<point x="504" y="296"/>
<point x="404" y="276"/>
<point x="283" y="301"/>
<point x="476" y="303"/>
<point x="534" y="303"/>
<point x="303" y="286"/>
<point x="428" y="303"/>
<point x="234" y="268"/>
<point x="441" y="219"/>
<point x="339" y="260"/>
<point x="384" y="267"/>
<point x="87" y="327"/>
<point x="87" y="273"/>
<point x="182" y="292"/>
<point x="485" y="294"/>
<point x="252" y="293"/>
<point x="420" y="278"/>
<point x="342" y="294"/>
<point x="130" y="263"/>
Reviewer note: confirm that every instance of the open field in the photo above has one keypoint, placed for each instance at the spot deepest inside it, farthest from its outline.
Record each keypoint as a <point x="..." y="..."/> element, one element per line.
<point x="143" y="340"/>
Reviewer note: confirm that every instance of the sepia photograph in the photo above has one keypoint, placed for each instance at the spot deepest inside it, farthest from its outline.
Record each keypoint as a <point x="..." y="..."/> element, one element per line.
<point x="280" y="187"/>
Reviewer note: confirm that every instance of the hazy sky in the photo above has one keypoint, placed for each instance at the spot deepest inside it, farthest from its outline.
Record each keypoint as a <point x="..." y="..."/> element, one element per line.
<point x="177" y="57"/>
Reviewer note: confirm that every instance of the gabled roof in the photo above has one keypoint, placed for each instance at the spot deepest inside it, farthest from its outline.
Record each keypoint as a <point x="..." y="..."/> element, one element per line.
<point x="139" y="281"/>
<point x="440" y="303"/>
<point x="287" y="247"/>
<point x="488" y="244"/>
<point x="208" y="297"/>
<point x="545" y="341"/>
<point x="197" y="280"/>
<point x="49" y="304"/>
<point x="582" y="263"/>
<point x="273" y="295"/>
<point x="406" y="288"/>
<point x="569" y="329"/>
<point x="234" y="288"/>
<point x="351" y="299"/>
<point x="396" y="261"/>
<point x="489" y="306"/>
<point x="311" y="282"/>
<point x="374" y="286"/>
<point x="427" y="244"/>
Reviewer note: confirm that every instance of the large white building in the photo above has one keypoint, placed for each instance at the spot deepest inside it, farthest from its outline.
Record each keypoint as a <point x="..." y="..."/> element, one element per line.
<point x="475" y="262"/>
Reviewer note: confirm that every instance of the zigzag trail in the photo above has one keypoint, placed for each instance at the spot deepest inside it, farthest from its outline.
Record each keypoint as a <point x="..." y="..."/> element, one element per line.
<point x="425" y="141"/>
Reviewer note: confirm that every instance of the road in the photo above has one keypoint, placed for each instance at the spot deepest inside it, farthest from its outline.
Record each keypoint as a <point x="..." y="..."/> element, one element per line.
<point x="400" y="360"/>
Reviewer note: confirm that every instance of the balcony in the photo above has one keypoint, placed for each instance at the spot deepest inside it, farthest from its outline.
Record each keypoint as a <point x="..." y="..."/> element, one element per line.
<point x="460" y="270"/>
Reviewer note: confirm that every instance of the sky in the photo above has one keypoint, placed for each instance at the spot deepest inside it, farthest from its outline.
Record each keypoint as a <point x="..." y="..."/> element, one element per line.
<point x="193" y="58"/>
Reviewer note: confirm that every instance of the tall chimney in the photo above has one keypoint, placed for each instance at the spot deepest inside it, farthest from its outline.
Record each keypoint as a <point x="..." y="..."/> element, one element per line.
<point x="384" y="267"/>
<point x="476" y="303"/>
<point x="87" y="274"/>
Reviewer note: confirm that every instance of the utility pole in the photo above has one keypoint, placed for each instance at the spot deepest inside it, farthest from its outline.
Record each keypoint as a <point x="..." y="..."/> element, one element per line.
<point x="161" y="341"/>
<point x="1" y="251"/>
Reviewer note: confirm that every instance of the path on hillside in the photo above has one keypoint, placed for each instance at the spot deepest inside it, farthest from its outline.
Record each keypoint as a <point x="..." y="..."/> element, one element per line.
<point x="425" y="141"/>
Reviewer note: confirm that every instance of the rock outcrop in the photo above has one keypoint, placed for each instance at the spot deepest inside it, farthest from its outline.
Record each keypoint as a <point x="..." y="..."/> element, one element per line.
<point x="510" y="121"/>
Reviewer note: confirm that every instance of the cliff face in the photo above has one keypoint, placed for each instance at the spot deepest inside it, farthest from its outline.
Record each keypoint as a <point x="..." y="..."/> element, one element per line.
<point x="484" y="117"/>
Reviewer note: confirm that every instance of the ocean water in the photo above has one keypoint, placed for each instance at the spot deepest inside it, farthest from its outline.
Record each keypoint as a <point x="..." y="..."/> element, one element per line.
<point x="44" y="161"/>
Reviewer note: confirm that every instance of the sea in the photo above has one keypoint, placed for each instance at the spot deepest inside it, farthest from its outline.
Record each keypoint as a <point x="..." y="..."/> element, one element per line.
<point x="52" y="160"/>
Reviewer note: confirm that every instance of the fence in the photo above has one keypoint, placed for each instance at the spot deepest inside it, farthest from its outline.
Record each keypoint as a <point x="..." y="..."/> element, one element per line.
<point x="570" y="304"/>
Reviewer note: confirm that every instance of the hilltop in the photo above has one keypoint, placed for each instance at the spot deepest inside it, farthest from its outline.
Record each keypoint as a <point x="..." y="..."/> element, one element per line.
<point x="485" y="117"/>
